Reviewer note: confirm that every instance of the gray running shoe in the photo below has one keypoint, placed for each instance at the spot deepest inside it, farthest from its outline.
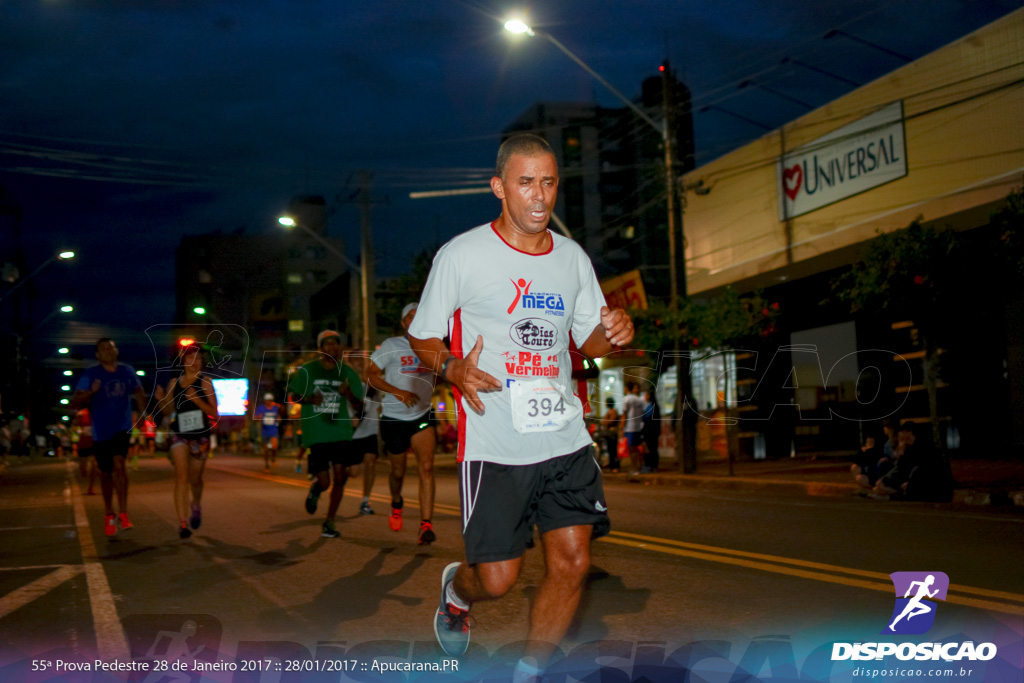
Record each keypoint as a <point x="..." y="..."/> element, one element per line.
<point x="329" y="531"/>
<point x="451" y="624"/>
<point x="365" y="509"/>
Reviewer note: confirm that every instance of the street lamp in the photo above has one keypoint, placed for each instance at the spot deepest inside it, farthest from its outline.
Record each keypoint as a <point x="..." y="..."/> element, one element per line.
<point x="62" y="256"/>
<point x="364" y="273"/>
<point x="687" y="454"/>
<point x="199" y="310"/>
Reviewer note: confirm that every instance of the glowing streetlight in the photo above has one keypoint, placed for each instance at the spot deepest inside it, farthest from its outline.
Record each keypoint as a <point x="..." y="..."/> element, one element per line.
<point x="65" y="387"/>
<point x="517" y="26"/>
<point x="140" y="373"/>
<point x="64" y="350"/>
<point x="199" y="310"/>
<point x="62" y="256"/>
<point x="64" y="401"/>
<point x="68" y="373"/>
<point x="66" y="309"/>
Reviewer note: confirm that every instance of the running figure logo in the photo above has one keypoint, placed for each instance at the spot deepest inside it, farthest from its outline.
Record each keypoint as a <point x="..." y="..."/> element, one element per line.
<point x="522" y="287"/>
<point x="914" y="613"/>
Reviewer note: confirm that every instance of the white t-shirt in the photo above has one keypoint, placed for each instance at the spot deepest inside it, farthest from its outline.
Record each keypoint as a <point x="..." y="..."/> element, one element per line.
<point x="633" y="408"/>
<point x="402" y="369"/>
<point x="370" y="420"/>
<point x="525" y="306"/>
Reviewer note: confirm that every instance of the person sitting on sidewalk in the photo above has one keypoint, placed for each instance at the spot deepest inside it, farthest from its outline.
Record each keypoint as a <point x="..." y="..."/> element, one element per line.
<point x="920" y="472"/>
<point x="865" y="463"/>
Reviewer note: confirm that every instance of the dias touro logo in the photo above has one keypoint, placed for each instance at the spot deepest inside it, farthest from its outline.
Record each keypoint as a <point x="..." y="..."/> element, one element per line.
<point x="535" y="334"/>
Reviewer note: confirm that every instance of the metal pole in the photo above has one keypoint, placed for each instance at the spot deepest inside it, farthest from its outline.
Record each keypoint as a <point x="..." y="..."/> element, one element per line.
<point x="366" y="273"/>
<point x="685" y="439"/>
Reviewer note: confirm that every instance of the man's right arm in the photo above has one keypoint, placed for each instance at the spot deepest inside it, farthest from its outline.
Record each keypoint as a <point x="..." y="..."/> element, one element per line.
<point x="83" y="393"/>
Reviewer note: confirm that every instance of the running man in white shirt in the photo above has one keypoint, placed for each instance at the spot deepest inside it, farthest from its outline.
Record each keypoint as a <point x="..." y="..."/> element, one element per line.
<point x="510" y="294"/>
<point x="406" y="421"/>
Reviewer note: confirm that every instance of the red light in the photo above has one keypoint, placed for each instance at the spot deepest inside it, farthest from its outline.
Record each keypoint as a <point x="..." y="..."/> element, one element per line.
<point x="186" y="341"/>
<point x="661" y="68"/>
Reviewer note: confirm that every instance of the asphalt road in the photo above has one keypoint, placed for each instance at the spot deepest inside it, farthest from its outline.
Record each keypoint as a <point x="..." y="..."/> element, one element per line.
<point x="681" y="565"/>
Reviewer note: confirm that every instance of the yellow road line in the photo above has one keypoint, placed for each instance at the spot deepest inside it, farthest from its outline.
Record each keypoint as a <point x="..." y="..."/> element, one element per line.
<point x="725" y="556"/>
<point x="771" y="563"/>
<point x="1002" y="595"/>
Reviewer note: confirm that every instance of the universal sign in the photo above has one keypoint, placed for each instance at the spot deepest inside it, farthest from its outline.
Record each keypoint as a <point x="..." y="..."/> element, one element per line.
<point x="855" y="158"/>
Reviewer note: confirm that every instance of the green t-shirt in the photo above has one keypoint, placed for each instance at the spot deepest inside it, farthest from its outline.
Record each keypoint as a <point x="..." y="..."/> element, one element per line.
<point x="331" y="420"/>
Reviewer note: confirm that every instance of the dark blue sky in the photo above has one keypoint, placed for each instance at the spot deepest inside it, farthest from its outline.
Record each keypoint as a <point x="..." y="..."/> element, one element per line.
<point x="125" y="125"/>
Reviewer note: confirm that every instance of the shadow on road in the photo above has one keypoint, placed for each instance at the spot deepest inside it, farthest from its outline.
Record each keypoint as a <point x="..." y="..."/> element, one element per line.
<point x="347" y="598"/>
<point x="604" y="595"/>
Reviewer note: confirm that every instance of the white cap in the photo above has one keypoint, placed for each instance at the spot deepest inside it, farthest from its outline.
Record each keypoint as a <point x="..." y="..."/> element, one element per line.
<point x="408" y="309"/>
<point x="268" y="397"/>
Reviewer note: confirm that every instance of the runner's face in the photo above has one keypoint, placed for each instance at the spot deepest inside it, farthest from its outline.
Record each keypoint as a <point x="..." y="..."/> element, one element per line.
<point x="107" y="352"/>
<point x="407" y="320"/>
<point x="528" y="192"/>
<point x="192" y="360"/>
<point x="331" y="347"/>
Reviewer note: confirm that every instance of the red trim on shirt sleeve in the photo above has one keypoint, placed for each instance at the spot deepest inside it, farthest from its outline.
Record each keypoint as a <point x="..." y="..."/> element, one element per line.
<point x="458" y="352"/>
<point x="576" y="363"/>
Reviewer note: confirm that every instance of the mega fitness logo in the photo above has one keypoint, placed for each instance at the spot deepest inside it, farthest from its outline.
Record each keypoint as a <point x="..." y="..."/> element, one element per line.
<point x="551" y="304"/>
<point x="914" y="614"/>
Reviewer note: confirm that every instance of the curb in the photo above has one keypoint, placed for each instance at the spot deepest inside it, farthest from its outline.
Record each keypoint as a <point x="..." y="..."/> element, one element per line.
<point x="809" y="488"/>
<point x="971" y="497"/>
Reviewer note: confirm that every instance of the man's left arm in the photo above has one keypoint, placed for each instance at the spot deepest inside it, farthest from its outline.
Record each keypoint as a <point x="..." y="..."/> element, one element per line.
<point x="614" y="332"/>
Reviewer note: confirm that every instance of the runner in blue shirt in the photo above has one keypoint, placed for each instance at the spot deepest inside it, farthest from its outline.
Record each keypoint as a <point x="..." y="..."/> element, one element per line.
<point x="107" y="390"/>
<point x="268" y="415"/>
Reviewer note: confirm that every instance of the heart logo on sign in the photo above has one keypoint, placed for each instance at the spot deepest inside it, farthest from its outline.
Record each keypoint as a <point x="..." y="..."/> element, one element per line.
<point x="792" y="179"/>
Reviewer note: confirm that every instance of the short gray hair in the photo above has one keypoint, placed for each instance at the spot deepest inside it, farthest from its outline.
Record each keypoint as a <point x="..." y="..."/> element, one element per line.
<point x="526" y="144"/>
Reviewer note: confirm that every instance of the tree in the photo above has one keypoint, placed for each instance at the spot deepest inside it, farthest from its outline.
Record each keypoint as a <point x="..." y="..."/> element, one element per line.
<point x="398" y="291"/>
<point x="723" y="323"/>
<point x="912" y="271"/>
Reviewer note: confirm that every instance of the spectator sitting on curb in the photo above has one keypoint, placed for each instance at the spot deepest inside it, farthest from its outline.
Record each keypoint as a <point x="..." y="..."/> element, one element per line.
<point x="920" y="472"/>
<point x="865" y="464"/>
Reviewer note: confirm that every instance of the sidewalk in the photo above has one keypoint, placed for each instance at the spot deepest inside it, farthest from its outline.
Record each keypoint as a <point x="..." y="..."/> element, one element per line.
<point x="998" y="483"/>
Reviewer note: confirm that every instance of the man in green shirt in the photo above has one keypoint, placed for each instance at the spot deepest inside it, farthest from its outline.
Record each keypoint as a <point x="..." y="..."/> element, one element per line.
<point x="331" y="395"/>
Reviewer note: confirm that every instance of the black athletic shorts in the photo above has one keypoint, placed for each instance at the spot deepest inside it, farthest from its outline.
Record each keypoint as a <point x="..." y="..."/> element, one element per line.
<point x="367" y="444"/>
<point x="397" y="434"/>
<point x="106" y="450"/>
<point x="323" y="455"/>
<point x="501" y="504"/>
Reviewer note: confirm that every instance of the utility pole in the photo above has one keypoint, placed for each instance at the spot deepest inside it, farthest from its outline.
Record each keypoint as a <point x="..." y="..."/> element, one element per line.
<point x="366" y="280"/>
<point x="685" y="428"/>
